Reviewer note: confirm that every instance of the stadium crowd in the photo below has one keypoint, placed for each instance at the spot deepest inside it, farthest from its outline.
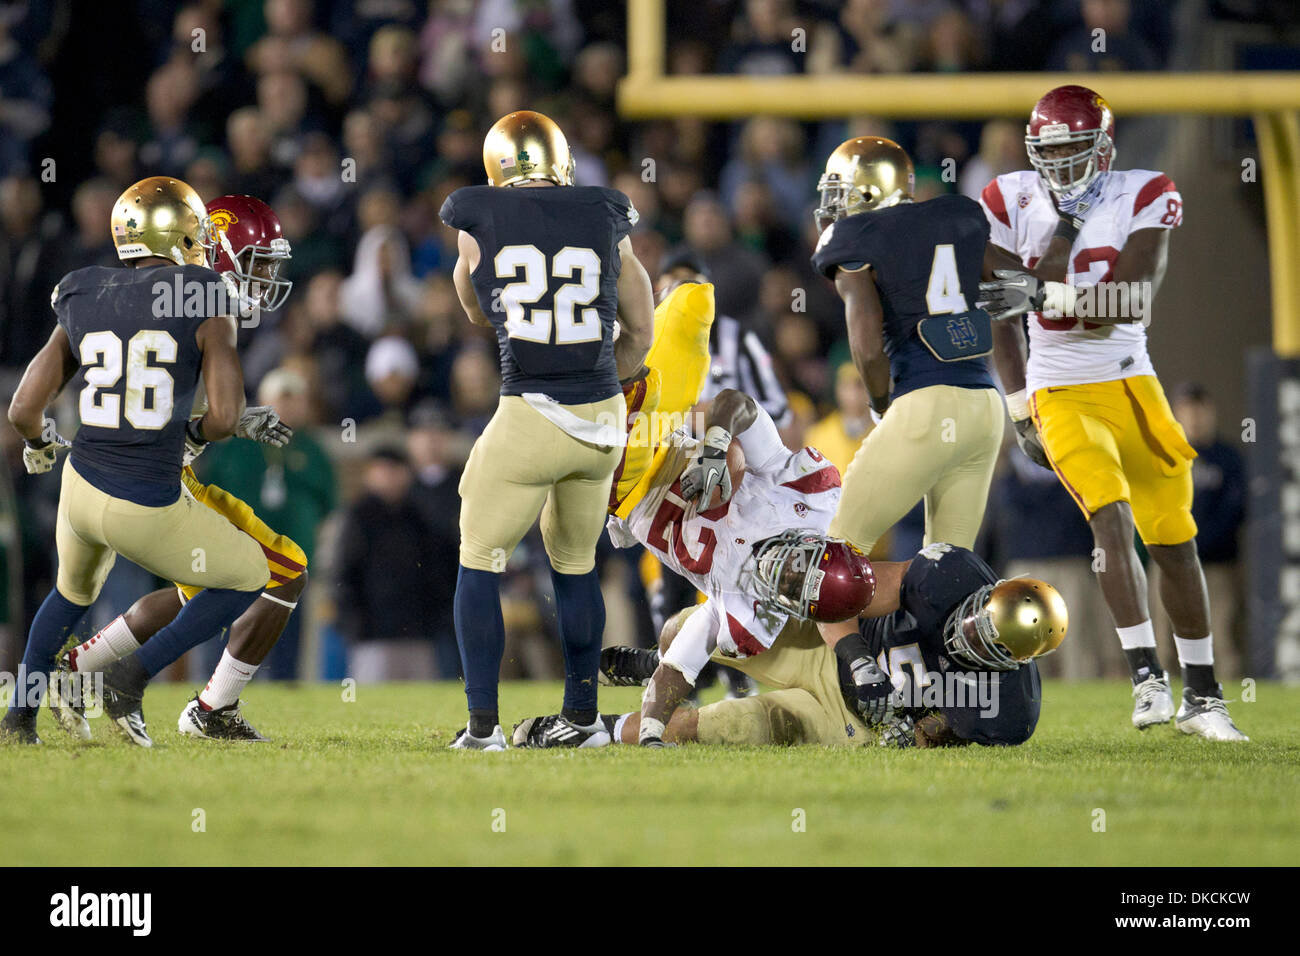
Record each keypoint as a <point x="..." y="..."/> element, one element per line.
<point x="355" y="120"/>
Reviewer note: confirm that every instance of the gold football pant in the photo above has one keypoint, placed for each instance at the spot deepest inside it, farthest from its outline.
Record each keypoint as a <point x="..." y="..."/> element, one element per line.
<point x="806" y="706"/>
<point x="523" y="464"/>
<point x="183" y="542"/>
<point x="1119" y="441"/>
<point x="285" y="561"/>
<point x="938" y="443"/>
<point x="678" y="361"/>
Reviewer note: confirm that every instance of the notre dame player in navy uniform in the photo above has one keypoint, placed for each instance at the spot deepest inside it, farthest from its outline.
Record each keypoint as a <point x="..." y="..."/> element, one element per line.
<point x="549" y="266"/>
<point x="959" y="649"/>
<point x="137" y="339"/>
<point x="908" y="274"/>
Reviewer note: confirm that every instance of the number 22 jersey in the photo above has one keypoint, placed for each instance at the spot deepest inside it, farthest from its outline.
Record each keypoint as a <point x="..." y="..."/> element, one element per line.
<point x="1022" y="218"/>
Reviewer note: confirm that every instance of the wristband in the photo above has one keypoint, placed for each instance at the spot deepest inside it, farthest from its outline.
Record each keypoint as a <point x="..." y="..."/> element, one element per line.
<point x="192" y="432"/>
<point x="36" y="444"/>
<point x="651" y="729"/>
<point x="1018" y="406"/>
<point x="1068" y="229"/>
<point x="852" y="647"/>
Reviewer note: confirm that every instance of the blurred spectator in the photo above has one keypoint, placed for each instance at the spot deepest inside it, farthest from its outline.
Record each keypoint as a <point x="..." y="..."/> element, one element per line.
<point x="173" y="139"/>
<point x="840" y="434"/>
<point x="339" y="350"/>
<point x="380" y="292"/>
<point x="1103" y="42"/>
<point x="1002" y="150"/>
<point x="1219" y="508"/>
<point x="292" y="489"/>
<point x="30" y="263"/>
<point x="386" y="595"/>
<point x="772" y="152"/>
<point x="392" y="369"/>
<point x="25" y="99"/>
<point x="92" y="244"/>
<point x="293" y="43"/>
<point x="249" y="143"/>
<point x="734" y="270"/>
<point x="762" y="44"/>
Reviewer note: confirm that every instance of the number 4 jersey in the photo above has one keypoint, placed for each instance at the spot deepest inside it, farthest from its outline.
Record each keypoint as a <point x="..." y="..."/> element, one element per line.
<point x="712" y="549"/>
<point x="547" y="279"/>
<point x="133" y="331"/>
<point x="1022" y="218"/>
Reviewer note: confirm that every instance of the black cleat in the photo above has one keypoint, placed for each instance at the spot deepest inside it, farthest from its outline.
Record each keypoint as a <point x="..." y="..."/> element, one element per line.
<point x="221" y="723"/>
<point x="623" y="666"/>
<point x="18" y="729"/>
<point x="124" y="684"/>
<point x="555" y="730"/>
<point x="66" y="700"/>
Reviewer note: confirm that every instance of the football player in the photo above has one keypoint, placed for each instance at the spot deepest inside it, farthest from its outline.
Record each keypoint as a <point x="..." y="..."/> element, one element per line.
<point x="549" y="266"/>
<point x="908" y="274"/>
<point x="249" y="253"/>
<point x="957" y="642"/>
<point x="1087" y="403"/>
<point x="771" y="573"/>
<point x="137" y="339"/>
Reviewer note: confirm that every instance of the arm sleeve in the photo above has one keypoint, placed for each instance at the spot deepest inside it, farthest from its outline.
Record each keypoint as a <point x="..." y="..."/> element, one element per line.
<point x="1002" y="233"/>
<point x="758" y="379"/>
<point x="695" y="642"/>
<point x="1158" y="205"/>
<point x="762" y="445"/>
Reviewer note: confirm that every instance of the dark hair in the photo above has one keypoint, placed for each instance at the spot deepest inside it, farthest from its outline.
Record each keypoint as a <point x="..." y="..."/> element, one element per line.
<point x="682" y="258"/>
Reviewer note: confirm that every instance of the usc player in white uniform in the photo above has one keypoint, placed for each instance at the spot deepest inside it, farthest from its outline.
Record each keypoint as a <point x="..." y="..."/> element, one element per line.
<point x="1088" y="403"/>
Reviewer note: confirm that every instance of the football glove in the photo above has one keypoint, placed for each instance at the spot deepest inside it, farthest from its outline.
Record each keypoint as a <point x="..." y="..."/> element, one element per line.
<point x="709" y="470"/>
<point x="40" y="454"/>
<point x="1010" y="294"/>
<point x="899" y="733"/>
<point x="193" y="447"/>
<point x="262" y="423"/>
<point x="1031" y="443"/>
<point x="874" y="691"/>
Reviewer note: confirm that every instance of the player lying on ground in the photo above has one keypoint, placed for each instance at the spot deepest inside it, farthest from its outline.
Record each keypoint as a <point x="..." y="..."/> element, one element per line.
<point x="131" y="337"/>
<point x="1086" y="402"/>
<point x="249" y="254"/>
<point x="766" y="585"/>
<point x="957" y="642"/>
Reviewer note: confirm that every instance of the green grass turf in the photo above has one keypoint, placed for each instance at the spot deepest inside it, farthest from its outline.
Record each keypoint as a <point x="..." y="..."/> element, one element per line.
<point x="370" y="782"/>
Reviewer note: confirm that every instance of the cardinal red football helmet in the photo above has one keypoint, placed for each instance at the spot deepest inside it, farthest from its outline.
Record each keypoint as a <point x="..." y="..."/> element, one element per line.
<point x="249" y="251"/>
<point x="812" y="577"/>
<point x="1064" y="116"/>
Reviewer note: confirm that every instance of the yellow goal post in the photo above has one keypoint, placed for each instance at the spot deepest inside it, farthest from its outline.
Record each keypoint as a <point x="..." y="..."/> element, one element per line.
<point x="1272" y="99"/>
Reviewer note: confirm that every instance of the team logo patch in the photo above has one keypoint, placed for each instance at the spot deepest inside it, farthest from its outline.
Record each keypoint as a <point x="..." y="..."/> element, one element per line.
<point x="1024" y="199"/>
<point x="800" y="509"/>
<point x="222" y="219"/>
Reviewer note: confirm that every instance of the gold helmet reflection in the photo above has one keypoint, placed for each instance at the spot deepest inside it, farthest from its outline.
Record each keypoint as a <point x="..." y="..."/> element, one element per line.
<point x="161" y="216"/>
<point x="526" y="145"/>
<point x="864" y="174"/>
<point x="1003" y="625"/>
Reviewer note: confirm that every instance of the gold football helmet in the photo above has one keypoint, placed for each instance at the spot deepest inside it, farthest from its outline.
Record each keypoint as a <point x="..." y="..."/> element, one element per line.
<point x="162" y="216"/>
<point x="525" y="145"/>
<point x="864" y="174"/>
<point x="1003" y="625"/>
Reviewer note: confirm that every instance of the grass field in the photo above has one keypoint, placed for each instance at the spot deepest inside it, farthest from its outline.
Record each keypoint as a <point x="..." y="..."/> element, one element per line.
<point x="370" y="782"/>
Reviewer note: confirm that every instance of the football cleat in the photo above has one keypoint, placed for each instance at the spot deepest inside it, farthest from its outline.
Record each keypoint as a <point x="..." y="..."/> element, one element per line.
<point x="555" y="730"/>
<point x="124" y="703"/>
<point x="1206" y="717"/>
<point x="738" y="683"/>
<point x="18" y="730"/>
<point x="627" y="666"/>
<point x="464" y="740"/>
<point x="1153" y="703"/>
<point x="70" y="711"/>
<point x="220" y="723"/>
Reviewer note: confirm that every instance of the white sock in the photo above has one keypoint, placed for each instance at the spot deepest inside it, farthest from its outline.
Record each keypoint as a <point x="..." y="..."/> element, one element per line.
<point x="227" y="683"/>
<point x="113" y="643"/>
<point x="1139" y="635"/>
<point x="618" y="728"/>
<point x="1195" y="650"/>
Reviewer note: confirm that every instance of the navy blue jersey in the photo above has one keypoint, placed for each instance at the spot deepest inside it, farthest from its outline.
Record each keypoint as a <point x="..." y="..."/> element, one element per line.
<point x="986" y="707"/>
<point x="926" y="259"/>
<point x="133" y="332"/>
<point x="547" y="279"/>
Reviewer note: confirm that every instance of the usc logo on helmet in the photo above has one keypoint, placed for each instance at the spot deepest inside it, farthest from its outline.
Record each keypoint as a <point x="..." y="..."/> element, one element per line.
<point x="222" y="219"/>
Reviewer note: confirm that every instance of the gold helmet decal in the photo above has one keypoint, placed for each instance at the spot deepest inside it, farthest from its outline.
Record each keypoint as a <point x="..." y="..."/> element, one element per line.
<point x="161" y="216"/>
<point x="525" y="145"/>
<point x="864" y="174"/>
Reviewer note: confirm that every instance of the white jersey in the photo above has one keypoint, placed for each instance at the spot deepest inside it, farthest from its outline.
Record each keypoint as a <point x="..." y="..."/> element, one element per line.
<point x="1022" y="219"/>
<point x="712" y="549"/>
